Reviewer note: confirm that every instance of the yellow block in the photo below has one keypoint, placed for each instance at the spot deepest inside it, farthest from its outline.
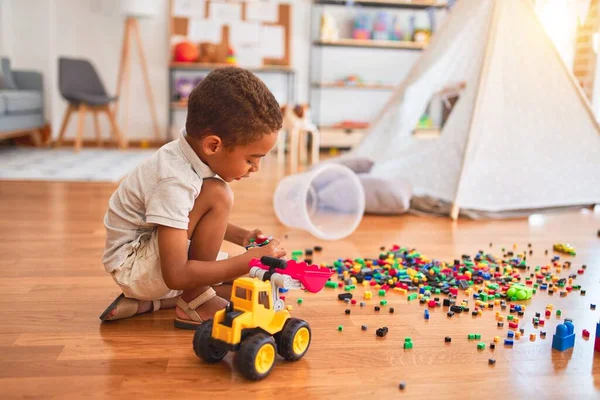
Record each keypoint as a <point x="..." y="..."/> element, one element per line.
<point x="289" y="307"/>
<point x="497" y="314"/>
<point x="365" y="283"/>
<point x="400" y="290"/>
<point x="532" y="337"/>
<point x="496" y="339"/>
<point x="496" y="302"/>
<point x="500" y="318"/>
<point x="518" y="335"/>
<point x="390" y="281"/>
<point x="354" y="281"/>
<point x="376" y="286"/>
<point x="368" y="295"/>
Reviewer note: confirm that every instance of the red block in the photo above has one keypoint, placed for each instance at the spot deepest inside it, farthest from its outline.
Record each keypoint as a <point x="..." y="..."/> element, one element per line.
<point x="513" y="325"/>
<point x="580" y="271"/>
<point x="542" y="322"/>
<point x="373" y="283"/>
<point x="569" y="288"/>
<point x="548" y="313"/>
<point x="597" y="344"/>
<point x="454" y="291"/>
<point x="395" y="247"/>
<point x="353" y="301"/>
<point x="282" y="298"/>
<point x="586" y="333"/>
<point x="340" y="284"/>
<point x="432" y="303"/>
<point x="528" y="282"/>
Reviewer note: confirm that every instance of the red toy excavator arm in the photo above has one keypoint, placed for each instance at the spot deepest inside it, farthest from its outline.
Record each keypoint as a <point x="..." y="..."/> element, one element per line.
<point x="312" y="277"/>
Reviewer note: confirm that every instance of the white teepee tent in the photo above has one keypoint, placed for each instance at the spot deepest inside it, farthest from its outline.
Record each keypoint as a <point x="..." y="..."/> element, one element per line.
<point x="521" y="136"/>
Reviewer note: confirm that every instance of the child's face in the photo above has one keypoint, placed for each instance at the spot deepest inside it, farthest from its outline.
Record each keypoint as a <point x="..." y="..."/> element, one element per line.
<point x="240" y="161"/>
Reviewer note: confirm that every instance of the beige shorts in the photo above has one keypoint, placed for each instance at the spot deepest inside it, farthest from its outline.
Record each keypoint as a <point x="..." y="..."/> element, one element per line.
<point x="140" y="275"/>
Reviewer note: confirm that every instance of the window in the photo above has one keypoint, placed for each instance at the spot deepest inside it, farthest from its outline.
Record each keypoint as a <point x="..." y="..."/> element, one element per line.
<point x="438" y="111"/>
<point x="263" y="298"/>
<point x="243" y="294"/>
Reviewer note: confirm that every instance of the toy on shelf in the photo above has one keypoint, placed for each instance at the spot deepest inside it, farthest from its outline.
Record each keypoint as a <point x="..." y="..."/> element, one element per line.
<point x="564" y="248"/>
<point x="183" y="88"/>
<point x="362" y="27"/>
<point x="231" y="58"/>
<point x="329" y="29"/>
<point x="186" y="52"/>
<point x="425" y="122"/>
<point x="350" y="80"/>
<point x="564" y="338"/>
<point x="381" y="27"/>
<point x="397" y="32"/>
<point x="421" y="30"/>
<point x="256" y="322"/>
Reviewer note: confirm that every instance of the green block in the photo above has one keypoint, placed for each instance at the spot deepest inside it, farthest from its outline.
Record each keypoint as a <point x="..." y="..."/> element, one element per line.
<point x="330" y="284"/>
<point x="471" y="336"/>
<point x="340" y="328"/>
<point x="438" y="291"/>
<point x="297" y="253"/>
<point x="349" y="287"/>
<point x="510" y="318"/>
<point x="295" y="259"/>
<point x="483" y="297"/>
<point x="558" y="313"/>
<point x="412" y="296"/>
<point x="477" y="336"/>
<point x="561" y="284"/>
<point x="480" y="346"/>
<point x="383" y="303"/>
<point x="408" y="345"/>
<point x="299" y="301"/>
<point x="381" y="292"/>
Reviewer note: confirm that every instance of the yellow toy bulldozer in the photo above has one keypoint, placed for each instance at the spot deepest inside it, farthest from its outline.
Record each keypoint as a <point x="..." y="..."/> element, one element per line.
<point x="255" y="323"/>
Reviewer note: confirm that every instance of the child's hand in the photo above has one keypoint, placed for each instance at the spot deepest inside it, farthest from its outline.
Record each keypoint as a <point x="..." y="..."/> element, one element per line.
<point x="273" y="249"/>
<point x="255" y="234"/>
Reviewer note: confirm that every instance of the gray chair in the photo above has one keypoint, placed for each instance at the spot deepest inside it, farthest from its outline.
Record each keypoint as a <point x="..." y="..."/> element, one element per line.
<point x="80" y="85"/>
<point x="21" y="103"/>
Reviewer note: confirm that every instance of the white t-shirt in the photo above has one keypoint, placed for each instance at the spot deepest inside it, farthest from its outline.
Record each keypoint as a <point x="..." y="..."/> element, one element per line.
<point x="160" y="191"/>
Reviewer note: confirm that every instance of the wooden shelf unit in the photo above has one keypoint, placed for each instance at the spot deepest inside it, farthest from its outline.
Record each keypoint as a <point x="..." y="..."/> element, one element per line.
<point x="406" y="4"/>
<point x="376" y="44"/>
<point x="211" y="66"/>
<point x="358" y="86"/>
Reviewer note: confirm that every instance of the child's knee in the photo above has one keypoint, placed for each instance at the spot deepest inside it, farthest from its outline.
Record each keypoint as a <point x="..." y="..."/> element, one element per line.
<point x="217" y="192"/>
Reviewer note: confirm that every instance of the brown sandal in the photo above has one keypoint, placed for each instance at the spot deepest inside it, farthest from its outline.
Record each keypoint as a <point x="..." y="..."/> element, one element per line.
<point x="126" y="307"/>
<point x="190" y="310"/>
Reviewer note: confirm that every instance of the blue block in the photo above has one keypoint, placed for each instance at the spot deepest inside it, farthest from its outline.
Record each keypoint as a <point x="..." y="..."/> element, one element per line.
<point x="518" y="308"/>
<point x="543" y="286"/>
<point x="508" y="342"/>
<point x="510" y="334"/>
<point x="487" y="276"/>
<point x="475" y="296"/>
<point x="426" y="314"/>
<point x="368" y="278"/>
<point x="598" y="330"/>
<point x="282" y="290"/>
<point x="421" y="290"/>
<point x="564" y="338"/>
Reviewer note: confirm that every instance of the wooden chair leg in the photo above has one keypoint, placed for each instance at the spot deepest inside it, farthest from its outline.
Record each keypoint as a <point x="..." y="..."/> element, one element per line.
<point x="80" y="126"/>
<point x="119" y="139"/>
<point x="63" y="128"/>
<point x="36" y="138"/>
<point x="316" y="146"/>
<point x="294" y="133"/>
<point x="97" y="128"/>
<point x="281" y="147"/>
<point x="303" y="140"/>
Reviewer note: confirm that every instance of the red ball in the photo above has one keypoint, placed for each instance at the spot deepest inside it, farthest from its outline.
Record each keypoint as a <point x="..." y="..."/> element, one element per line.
<point x="186" y="52"/>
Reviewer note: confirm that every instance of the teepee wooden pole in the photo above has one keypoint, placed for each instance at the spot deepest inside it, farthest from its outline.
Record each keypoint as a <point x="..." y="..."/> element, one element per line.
<point x="482" y="75"/>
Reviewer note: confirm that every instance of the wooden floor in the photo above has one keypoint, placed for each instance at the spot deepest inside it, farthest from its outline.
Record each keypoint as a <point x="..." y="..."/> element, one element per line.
<point x="53" y="287"/>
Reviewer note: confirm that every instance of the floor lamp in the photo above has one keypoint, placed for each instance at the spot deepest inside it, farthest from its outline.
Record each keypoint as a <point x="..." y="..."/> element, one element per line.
<point x="134" y="10"/>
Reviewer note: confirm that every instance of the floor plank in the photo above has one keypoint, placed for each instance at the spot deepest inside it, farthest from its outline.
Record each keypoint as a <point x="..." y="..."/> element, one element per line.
<point x="53" y="287"/>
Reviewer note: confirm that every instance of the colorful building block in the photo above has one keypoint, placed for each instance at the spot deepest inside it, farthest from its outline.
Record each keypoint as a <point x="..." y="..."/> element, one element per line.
<point x="368" y="295"/>
<point x="597" y="342"/>
<point x="408" y="344"/>
<point x="564" y="338"/>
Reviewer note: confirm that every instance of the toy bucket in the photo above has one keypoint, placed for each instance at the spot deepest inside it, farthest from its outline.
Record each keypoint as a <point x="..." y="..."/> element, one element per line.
<point x="327" y="201"/>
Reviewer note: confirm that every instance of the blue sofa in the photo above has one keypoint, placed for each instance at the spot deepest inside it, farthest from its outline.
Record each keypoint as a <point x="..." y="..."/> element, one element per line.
<point x="21" y="102"/>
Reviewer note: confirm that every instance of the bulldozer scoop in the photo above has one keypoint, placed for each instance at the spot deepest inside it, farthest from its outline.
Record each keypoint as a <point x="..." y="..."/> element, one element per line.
<point x="312" y="277"/>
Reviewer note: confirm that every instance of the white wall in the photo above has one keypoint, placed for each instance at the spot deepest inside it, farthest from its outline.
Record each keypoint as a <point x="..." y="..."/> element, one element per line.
<point x="40" y="31"/>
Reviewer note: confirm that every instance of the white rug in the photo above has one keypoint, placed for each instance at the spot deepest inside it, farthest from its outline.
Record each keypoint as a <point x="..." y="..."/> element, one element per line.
<point x="89" y="165"/>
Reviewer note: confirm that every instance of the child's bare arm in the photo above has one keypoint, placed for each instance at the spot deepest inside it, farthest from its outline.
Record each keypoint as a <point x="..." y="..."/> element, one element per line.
<point x="236" y="235"/>
<point x="179" y="273"/>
